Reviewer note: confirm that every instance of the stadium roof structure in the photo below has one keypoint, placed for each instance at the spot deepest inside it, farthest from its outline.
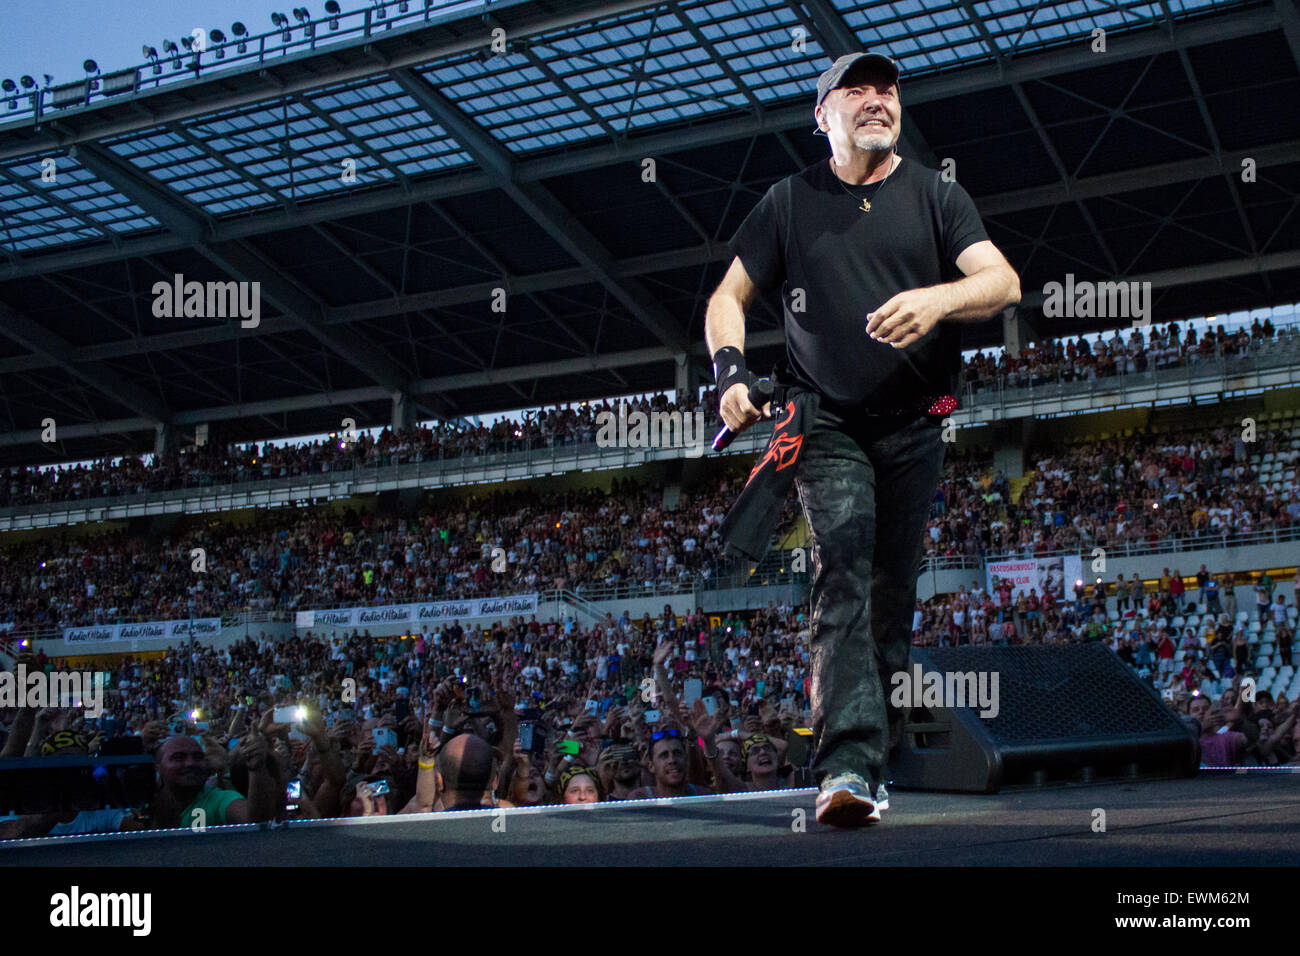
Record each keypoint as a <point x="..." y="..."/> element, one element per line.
<point x="502" y="146"/>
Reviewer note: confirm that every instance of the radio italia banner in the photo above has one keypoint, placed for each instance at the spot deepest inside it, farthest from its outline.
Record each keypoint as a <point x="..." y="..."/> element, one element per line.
<point x="1055" y="575"/>
<point x="419" y="614"/>
<point x="203" y="628"/>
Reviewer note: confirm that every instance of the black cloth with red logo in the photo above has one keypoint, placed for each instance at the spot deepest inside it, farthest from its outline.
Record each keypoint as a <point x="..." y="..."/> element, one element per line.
<point x="747" y="528"/>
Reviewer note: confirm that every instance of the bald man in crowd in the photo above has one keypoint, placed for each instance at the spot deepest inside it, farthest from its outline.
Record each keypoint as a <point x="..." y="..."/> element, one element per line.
<point x="465" y="767"/>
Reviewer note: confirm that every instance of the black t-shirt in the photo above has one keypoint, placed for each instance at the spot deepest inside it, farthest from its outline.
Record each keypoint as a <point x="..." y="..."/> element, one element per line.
<point x="834" y="264"/>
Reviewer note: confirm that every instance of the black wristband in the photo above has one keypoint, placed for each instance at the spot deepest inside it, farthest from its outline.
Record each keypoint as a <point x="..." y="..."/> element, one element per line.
<point x="729" y="369"/>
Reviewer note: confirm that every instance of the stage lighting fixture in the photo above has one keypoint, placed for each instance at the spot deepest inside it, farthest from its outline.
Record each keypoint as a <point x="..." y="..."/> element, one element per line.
<point x="304" y="17"/>
<point x="173" y="52"/>
<point x="9" y="86"/>
<point x="218" y="39"/>
<point x="90" y="66"/>
<point x="192" y="46"/>
<point x="241" y="31"/>
<point x="29" y="84"/>
<point x="151" y="54"/>
<point x="332" y="8"/>
<point x="282" y="21"/>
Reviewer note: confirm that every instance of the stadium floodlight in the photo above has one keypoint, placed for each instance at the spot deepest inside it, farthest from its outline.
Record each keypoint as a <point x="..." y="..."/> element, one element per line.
<point x="151" y="54"/>
<point x="282" y="21"/>
<point x="174" y="52"/>
<point x="218" y="39"/>
<point x="9" y="86"/>
<point x="191" y="46"/>
<point x="304" y="17"/>
<point x="332" y="9"/>
<point x="29" y="84"/>
<point x="240" y="31"/>
<point x="90" y="66"/>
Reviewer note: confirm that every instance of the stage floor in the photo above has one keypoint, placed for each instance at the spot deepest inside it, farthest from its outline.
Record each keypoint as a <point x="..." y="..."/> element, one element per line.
<point x="1218" y="819"/>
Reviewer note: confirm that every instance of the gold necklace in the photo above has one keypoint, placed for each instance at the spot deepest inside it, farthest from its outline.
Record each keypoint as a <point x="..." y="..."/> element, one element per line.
<point x="880" y="184"/>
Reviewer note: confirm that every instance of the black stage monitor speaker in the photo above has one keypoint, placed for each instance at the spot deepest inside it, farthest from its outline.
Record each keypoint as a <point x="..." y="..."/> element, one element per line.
<point x="1061" y="714"/>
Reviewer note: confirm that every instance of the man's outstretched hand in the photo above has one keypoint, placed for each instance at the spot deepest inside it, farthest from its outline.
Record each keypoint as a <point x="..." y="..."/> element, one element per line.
<point x="907" y="317"/>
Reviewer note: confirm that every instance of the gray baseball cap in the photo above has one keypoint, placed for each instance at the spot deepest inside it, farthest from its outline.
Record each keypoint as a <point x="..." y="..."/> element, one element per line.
<point x="833" y="77"/>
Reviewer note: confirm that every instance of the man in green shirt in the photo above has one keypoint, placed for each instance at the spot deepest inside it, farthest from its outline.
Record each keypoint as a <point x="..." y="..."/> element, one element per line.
<point x="183" y="771"/>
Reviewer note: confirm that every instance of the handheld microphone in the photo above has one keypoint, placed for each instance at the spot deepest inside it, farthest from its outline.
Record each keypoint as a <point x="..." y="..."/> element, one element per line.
<point x="760" y="393"/>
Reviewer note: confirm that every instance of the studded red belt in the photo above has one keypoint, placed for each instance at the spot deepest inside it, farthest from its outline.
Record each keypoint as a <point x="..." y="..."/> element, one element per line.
<point x="936" y="406"/>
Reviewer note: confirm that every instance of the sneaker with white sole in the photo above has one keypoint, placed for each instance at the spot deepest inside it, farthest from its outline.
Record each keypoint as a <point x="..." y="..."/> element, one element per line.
<point x="845" y="801"/>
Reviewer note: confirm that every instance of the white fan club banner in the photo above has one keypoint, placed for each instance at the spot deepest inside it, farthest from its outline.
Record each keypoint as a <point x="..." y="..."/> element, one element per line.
<point x="419" y="614"/>
<point x="203" y="628"/>
<point x="1055" y="575"/>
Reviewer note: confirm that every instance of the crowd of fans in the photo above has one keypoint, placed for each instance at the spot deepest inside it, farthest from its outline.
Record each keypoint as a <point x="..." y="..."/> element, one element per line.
<point x="1205" y="487"/>
<point x="210" y="464"/>
<point x="1236" y="732"/>
<point x="519" y="713"/>
<point x="1202" y="490"/>
<point x="576" y="423"/>
<point x="621" y="539"/>
<point x="524" y="713"/>
<point x="1077" y="360"/>
<point x="1125" y="613"/>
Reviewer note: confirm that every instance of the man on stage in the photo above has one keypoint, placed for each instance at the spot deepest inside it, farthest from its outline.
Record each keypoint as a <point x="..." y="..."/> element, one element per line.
<point x="876" y="258"/>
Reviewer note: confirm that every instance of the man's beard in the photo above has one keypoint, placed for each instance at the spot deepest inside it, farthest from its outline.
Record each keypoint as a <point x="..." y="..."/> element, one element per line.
<point x="875" y="142"/>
